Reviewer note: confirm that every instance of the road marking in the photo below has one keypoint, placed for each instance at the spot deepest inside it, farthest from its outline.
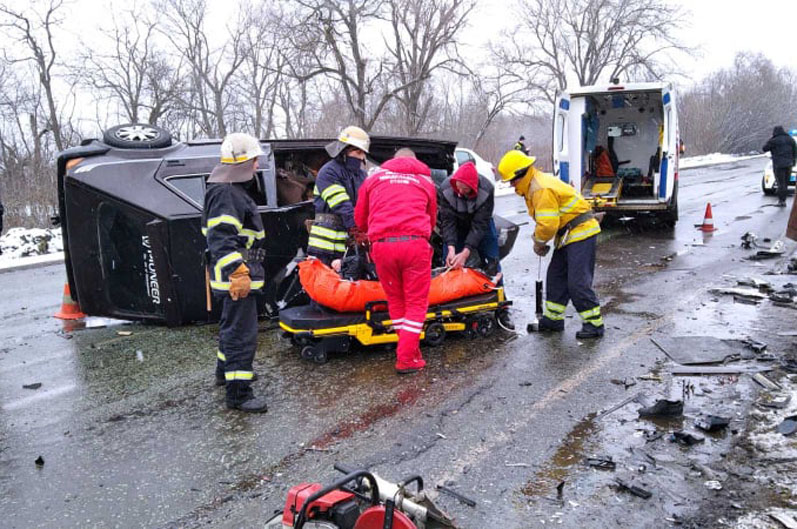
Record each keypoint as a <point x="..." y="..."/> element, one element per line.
<point x="557" y="393"/>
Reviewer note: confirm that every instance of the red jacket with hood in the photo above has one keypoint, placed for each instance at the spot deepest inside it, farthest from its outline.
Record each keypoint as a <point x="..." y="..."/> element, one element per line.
<point x="399" y="199"/>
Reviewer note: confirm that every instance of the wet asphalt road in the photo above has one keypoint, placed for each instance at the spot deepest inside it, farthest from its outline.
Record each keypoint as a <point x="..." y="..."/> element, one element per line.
<point x="134" y="434"/>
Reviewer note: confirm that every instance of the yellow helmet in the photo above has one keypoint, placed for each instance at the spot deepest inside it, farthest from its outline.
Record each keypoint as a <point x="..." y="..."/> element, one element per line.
<point x="350" y="136"/>
<point x="514" y="165"/>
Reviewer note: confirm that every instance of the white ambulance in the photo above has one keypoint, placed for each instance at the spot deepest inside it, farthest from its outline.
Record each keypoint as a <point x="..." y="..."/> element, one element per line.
<point x="619" y="145"/>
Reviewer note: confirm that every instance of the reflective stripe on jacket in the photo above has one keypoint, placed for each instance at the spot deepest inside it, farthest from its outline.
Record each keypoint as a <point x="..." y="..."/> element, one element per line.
<point x="336" y="188"/>
<point x="553" y="204"/>
<point x="231" y="223"/>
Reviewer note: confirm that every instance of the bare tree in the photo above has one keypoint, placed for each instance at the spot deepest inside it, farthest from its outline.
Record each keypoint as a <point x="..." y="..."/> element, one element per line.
<point x="733" y="110"/>
<point x="212" y="69"/>
<point x="424" y="40"/>
<point x="590" y="40"/>
<point x="364" y="77"/>
<point x="263" y="68"/>
<point x="35" y="32"/>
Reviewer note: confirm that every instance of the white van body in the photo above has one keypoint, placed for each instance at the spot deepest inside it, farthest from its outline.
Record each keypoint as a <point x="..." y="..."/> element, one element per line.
<point x="638" y="124"/>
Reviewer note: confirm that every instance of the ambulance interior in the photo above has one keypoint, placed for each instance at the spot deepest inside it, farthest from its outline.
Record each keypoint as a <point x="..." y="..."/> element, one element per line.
<point x="621" y="145"/>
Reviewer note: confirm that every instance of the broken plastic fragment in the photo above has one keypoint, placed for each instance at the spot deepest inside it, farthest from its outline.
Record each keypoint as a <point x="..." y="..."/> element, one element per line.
<point x="712" y="423"/>
<point x="663" y="408"/>
<point x="685" y="438"/>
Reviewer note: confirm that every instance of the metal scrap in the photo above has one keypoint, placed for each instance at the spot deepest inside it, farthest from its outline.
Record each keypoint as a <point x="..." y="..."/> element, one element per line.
<point x="717" y="370"/>
<point x="685" y="438"/>
<point x="712" y="423"/>
<point x="464" y="499"/>
<point x="788" y="426"/>
<point x="765" y="383"/>
<point x="602" y="463"/>
<point x="633" y="489"/>
<point x="776" y="401"/>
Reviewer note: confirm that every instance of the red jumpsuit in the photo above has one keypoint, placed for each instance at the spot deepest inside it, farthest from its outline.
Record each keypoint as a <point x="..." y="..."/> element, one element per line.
<point x="397" y="207"/>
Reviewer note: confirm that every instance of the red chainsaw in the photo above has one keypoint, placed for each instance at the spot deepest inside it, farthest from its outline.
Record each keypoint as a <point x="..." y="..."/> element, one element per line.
<point x="360" y="500"/>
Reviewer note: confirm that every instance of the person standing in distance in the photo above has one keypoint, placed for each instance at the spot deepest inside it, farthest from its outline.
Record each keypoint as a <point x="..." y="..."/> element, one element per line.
<point x="784" y="156"/>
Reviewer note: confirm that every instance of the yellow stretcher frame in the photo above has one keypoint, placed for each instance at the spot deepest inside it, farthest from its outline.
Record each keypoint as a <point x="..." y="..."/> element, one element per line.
<point x="367" y="334"/>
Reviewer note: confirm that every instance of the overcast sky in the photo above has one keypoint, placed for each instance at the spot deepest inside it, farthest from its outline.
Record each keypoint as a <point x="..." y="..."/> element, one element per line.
<point x="718" y="28"/>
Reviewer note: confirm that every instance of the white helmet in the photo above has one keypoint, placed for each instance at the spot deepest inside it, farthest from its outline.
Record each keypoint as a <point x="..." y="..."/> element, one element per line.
<point x="239" y="147"/>
<point x="350" y="136"/>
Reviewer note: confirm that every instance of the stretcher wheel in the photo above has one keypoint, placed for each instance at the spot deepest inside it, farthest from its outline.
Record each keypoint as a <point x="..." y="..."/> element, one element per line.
<point x="485" y="325"/>
<point x="308" y="353"/>
<point x="320" y="356"/>
<point x="435" y="334"/>
<point x="301" y="340"/>
<point x="471" y="327"/>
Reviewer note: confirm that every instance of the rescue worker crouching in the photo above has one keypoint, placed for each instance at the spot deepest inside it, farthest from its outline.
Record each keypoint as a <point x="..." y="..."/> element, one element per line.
<point x="465" y="217"/>
<point x="234" y="232"/>
<point x="336" y="188"/>
<point x="563" y="215"/>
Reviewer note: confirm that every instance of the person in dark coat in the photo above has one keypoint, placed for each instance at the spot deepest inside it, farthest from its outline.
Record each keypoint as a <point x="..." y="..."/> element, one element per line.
<point x="465" y="218"/>
<point x="521" y="145"/>
<point x="784" y="156"/>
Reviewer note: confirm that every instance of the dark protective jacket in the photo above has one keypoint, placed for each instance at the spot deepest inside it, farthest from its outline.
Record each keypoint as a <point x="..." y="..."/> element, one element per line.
<point x="783" y="149"/>
<point x="233" y="229"/>
<point x="460" y="216"/>
<point x="520" y="146"/>
<point x="336" y="188"/>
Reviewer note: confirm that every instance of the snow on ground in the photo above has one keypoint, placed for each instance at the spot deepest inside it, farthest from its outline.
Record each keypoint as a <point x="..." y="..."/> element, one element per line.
<point x="714" y="158"/>
<point x="30" y="245"/>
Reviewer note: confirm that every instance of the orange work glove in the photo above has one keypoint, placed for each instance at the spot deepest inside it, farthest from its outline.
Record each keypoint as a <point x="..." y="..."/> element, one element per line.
<point x="240" y="282"/>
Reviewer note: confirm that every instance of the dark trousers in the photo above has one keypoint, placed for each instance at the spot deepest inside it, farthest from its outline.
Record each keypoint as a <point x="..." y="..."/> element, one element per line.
<point x="782" y="175"/>
<point x="237" y="344"/>
<point x="488" y="249"/>
<point x="569" y="278"/>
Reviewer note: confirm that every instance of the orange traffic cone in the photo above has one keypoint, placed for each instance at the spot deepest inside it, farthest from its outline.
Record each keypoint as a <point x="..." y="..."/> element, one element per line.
<point x="708" y="221"/>
<point x="69" y="309"/>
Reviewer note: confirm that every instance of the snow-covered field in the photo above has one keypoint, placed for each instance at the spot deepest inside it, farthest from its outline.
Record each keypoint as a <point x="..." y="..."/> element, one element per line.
<point x="29" y="246"/>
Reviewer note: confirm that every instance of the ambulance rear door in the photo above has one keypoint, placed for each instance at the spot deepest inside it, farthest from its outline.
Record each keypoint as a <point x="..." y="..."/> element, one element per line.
<point x="561" y="130"/>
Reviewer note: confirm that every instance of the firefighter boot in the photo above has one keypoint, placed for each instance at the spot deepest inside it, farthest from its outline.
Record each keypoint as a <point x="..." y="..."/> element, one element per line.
<point x="589" y="331"/>
<point x="546" y="324"/>
<point x="240" y="397"/>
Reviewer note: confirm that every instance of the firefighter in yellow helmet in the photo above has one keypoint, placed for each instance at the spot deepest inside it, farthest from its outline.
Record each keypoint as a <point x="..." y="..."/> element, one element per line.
<point x="336" y="188"/>
<point x="564" y="217"/>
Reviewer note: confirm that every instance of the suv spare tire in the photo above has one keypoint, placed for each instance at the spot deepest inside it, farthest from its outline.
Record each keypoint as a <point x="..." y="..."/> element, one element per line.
<point x="137" y="136"/>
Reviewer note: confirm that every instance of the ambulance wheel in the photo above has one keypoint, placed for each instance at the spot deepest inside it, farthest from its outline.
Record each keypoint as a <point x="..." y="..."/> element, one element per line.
<point x="435" y="334"/>
<point x="485" y="325"/>
<point x="308" y="353"/>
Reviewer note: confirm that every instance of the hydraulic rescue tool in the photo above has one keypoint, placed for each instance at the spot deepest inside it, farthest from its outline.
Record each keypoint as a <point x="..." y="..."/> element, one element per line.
<point x="360" y="500"/>
<point x="535" y="326"/>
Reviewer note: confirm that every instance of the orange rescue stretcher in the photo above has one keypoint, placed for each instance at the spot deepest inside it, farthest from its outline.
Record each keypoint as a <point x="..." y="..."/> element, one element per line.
<point x="463" y="300"/>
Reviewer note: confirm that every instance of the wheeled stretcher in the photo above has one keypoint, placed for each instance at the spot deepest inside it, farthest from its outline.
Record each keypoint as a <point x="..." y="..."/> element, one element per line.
<point x="318" y="331"/>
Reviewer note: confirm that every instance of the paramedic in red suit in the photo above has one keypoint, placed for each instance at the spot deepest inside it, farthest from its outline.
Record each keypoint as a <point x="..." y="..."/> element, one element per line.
<point x="397" y="207"/>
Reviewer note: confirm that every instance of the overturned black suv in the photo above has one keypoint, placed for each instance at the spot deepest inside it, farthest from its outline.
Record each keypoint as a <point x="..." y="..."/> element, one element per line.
<point x="130" y="208"/>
